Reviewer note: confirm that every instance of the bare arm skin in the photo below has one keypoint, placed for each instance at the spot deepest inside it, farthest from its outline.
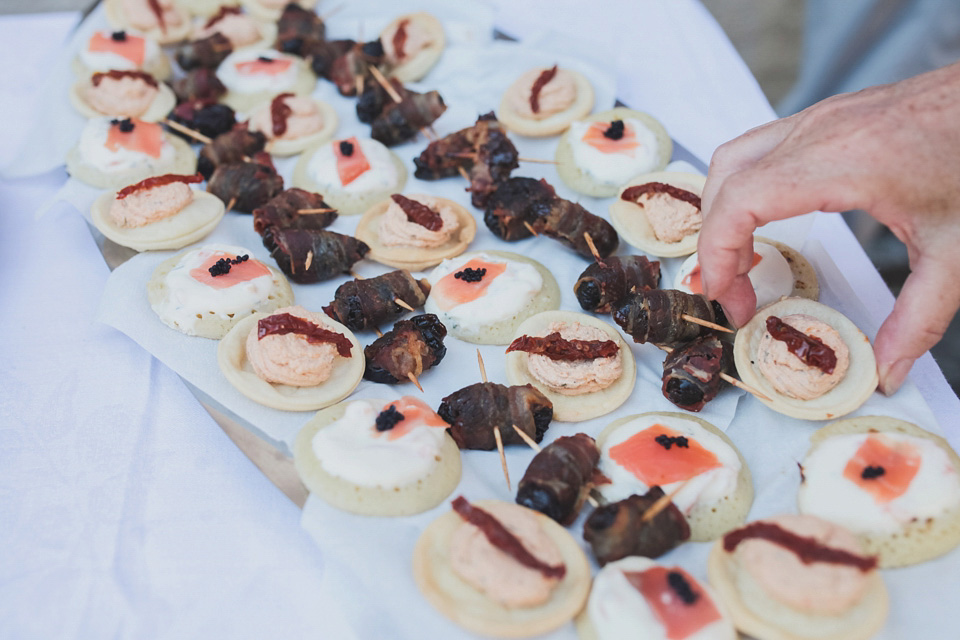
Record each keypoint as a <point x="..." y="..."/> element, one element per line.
<point x="893" y="151"/>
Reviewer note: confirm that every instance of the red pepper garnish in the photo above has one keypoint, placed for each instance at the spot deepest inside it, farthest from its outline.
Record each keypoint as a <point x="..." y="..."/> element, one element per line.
<point x="809" y="349"/>
<point x="284" y="323"/>
<point x="555" y="347"/>
<point x="158" y="181"/>
<point x="400" y="38"/>
<point x="500" y="537"/>
<point x="538" y="85"/>
<point x="279" y="112"/>
<point x="221" y="14"/>
<point x="632" y="194"/>
<point x="158" y="11"/>
<point x="115" y="74"/>
<point x="419" y="213"/>
<point x="809" y="550"/>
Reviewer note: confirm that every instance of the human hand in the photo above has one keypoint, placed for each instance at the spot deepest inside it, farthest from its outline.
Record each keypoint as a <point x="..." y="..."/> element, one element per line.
<point x="893" y="151"/>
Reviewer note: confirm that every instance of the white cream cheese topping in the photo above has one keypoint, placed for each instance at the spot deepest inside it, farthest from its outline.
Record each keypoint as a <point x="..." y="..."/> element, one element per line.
<point x="382" y="173"/>
<point x="236" y="80"/>
<point x="614" y="168"/>
<point x="107" y="60"/>
<point x="771" y="277"/>
<point x="93" y="150"/>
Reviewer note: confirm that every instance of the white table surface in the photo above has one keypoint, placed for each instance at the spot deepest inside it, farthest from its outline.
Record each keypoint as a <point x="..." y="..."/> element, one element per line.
<point x="124" y="510"/>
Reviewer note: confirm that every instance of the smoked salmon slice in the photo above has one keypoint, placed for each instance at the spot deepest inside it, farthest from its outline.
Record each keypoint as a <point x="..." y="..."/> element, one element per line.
<point x="675" y="598"/>
<point x="144" y="137"/>
<point x="350" y="166"/>
<point x="416" y="413"/>
<point x="452" y="291"/>
<point x="242" y="272"/>
<point x="659" y="456"/>
<point x="595" y="138"/>
<point x="883" y="468"/>
<point x="266" y="66"/>
<point x="132" y="48"/>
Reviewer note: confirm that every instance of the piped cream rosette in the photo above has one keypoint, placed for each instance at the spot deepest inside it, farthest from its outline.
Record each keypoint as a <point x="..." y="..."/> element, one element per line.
<point x="118" y="14"/>
<point x="190" y="224"/>
<point x="559" y="380"/>
<point x="131" y="51"/>
<point x="287" y="144"/>
<point x="343" y="459"/>
<point x="411" y="246"/>
<point x="456" y="596"/>
<point x="234" y="362"/>
<point x="779" y="271"/>
<point x="105" y="162"/>
<point x="595" y="165"/>
<point x="570" y="91"/>
<point x="489" y="311"/>
<point x="162" y="104"/>
<point x="671" y="216"/>
<point x="317" y="171"/>
<point x="847" y="394"/>
<point x="424" y="33"/>
<point x="894" y="485"/>
<point x="713" y="484"/>
<point x="251" y="80"/>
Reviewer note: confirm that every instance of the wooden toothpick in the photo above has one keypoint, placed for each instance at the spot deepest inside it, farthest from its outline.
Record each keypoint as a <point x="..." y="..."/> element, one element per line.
<point x="503" y="458"/>
<point x="483" y="369"/>
<point x="592" y="247"/>
<point x="320" y="210"/>
<point x="402" y="303"/>
<point x="530" y="441"/>
<point x="662" y="503"/>
<point x="187" y="131"/>
<point x="530" y="228"/>
<point x="706" y="323"/>
<point x="537" y="160"/>
<point x="232" y="202"/>
<point x="382" y="79"/>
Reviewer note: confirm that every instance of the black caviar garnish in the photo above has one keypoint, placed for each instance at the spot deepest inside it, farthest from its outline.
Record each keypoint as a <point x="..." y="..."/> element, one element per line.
<point x="346" y="148"/>
<point x="681" y="587"/>
<point x="119" y="36"/>
<point x="471" y="275"/>
<point x="666" y="441"/>
<point x="265" y="59"/>
<point x="871" y="472"/>
<point x="222" y="266"/>
<point x="126" y="125"/>
<point x="388" y="418"/>
<point x="614" y="131"/>
<point x="374" y="48"/>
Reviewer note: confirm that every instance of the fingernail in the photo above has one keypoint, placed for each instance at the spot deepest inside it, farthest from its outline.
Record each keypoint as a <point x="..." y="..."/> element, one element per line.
<point x="893" y="375"/>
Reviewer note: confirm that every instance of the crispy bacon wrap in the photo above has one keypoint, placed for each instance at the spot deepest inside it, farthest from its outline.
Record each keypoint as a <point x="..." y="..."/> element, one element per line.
<point x="410" y="348"/>
<point x="206" y="53"/>
<point x="298" y="30"/>
<point x="313" y="255"/>
<point x="400" y="122"/>
<point x="655" y="316"/>
<point x="230" y="148"/>
<point x="365" y="304"/>
<point x="283" y="211"/>
<point x="473" y="412"/>
<point x="247" y="184"/>
<point x="691" y="373"/>
<point x="616" y="531"/>
<point x="559" y="477"/>
<point x="602" y="284"/>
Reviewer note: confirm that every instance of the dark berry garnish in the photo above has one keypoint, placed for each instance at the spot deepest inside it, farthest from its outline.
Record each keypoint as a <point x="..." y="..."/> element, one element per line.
<point x="666" y="441"/>
<point x="614" y="131"/>
<point x="681" y="587"/>
<point x="119" y="36"/>
<point x="346" y="148"/>
<point x="222" y="266"/>
<point x="126" y="125"/>
<point x="388" y="418"/>
<point x="267" y="59"/>
<point x="471" y="275"/>
<point x="871" y="472"/>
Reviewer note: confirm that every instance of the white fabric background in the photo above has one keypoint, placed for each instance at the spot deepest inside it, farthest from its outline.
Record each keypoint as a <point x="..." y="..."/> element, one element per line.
<point x="125" y="512"/>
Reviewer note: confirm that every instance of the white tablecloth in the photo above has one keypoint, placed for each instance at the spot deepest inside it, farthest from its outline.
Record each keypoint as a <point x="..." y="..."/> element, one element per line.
<point x="124" y="510"/>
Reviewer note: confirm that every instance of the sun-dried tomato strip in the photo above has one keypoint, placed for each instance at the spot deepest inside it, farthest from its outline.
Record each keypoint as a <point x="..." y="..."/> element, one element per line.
<point x="809" y="550"/>
<point x="419" y="213"/>
<point x="500" y="537"/>
<point x="117" y="75"/>
<point x="279" y="112"/>
<point x="284" y="323"/>
<point x="631" y="194"/>
<point x="556" y="347"/>
<point x="538" y="86"/>
<point x="158" y="11"/>
<point x="158" y="181"/>
<point x="221" y="14"/>
<point x="400" y="39"/>
<point x="809" y="349"/>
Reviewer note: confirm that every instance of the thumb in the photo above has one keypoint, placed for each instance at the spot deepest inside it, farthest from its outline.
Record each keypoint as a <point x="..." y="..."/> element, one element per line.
<point x="921" y="315"/>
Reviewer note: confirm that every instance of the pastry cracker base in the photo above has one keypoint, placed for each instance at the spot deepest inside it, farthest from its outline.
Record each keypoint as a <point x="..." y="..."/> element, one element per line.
<point x="581" y="181"/>
<point x="184" y="162"/>
<point x="207" y="8"/>
<point x="404" y="500"/>
<point x="866" y="619"/>
<point x="851" y="392"/>
<point x="245" y="102"/>
<point x="474" y="611"/>
<point x="414" y="258"/>
<point x="420" y="64"/>
<point x="710" y="521"/>
<point x="190" y="224"/>
<point x="554" y="124"/>
<point x="805" y="281"/>
<point x="232" y="359"/>
<point x="280" y="147"/>
<point x="214" y="325"/>
<point x="916" y="541"/>
<point x="631" y="223"/>
<point x="163" y="103"/>
<point x="581" y="407"/>
<point x="347" y="204"/>
<point x="118" y="21"/>
<point x="547" y="299"/>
